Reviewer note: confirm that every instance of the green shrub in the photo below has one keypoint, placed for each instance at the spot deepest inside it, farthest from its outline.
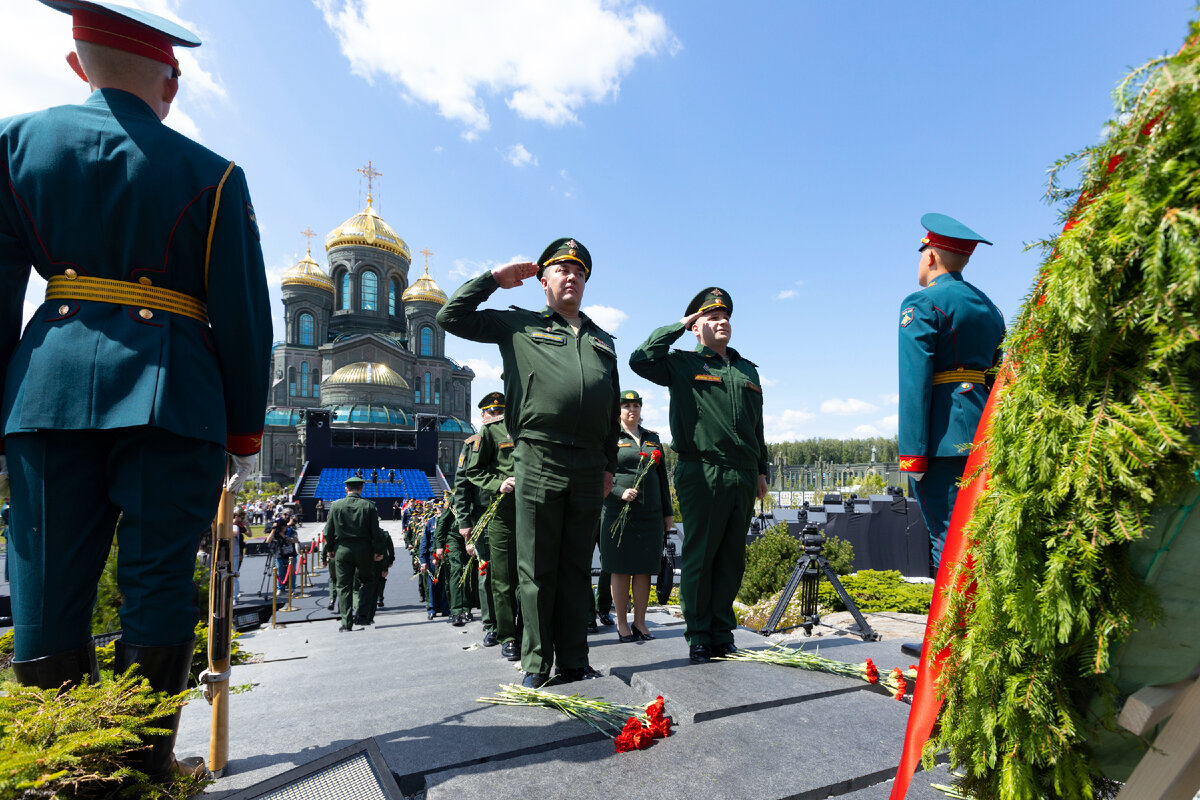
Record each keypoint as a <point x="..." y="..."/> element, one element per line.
<point x="75" y="744"/>
<point x="106" y="655"/>
<point x="875" y="590"/>
<point x="840" y="555"/>
<point x="769" y="563"/>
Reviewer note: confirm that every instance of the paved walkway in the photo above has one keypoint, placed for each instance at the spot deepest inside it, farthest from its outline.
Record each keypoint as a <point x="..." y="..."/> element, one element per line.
<point x="743" y="730"/>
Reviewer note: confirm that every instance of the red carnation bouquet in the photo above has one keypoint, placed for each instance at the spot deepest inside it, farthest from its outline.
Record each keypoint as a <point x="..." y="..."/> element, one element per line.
<point x="639" y="730"/>
<point x="645" y="462"/>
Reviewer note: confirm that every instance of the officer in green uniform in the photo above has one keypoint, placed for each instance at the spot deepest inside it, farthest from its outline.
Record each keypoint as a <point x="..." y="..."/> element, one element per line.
<point x="950" y="335"/>
<point x="353" y="543"/>
<point x="561" y="390"/>
<point x="381" y="570"/>
<point x="633" y="552"/>
<point x="717" y="429"/>
<point x="145" y="365"/>
<point x="451" y="542"/>
<point x="490" y="467"/>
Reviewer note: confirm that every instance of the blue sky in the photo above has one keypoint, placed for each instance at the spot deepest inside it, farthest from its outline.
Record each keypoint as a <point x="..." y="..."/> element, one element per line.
<point x="784" y="151"/>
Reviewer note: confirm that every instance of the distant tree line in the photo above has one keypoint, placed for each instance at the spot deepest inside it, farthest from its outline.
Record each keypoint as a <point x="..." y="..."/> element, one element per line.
<point x="836" y="451"/>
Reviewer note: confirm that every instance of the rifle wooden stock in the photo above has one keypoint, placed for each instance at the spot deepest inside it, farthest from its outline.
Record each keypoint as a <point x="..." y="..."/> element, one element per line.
<point x="220" y="634"/>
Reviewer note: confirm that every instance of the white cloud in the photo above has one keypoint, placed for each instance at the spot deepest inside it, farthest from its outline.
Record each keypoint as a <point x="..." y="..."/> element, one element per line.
<point x="439" y="149"/>
<point x="485" y="371"/>
<point x="836" y="405"/>
<point x="518" y="156"/>
<point x="889" y="424"/>
<point x="34" y="75"/>
<point x="866" y="431"/>
<point x="767" y="382"/>
<point x="452" y="54"/>
<point x="787" y="426"/>
<point x="467" y="268"/>
<point x="786" y="294"/>
<point x="606" y="317"/>
<point x="34" y="293"/>
<point x="890" y="399"/>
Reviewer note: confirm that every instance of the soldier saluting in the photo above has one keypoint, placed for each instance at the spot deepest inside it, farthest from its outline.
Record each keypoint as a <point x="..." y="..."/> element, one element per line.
<point x="950" y="334"/>
<point x="717" y="429"/>
<point x="561" y="387"/>
<point x="146" y="364"/>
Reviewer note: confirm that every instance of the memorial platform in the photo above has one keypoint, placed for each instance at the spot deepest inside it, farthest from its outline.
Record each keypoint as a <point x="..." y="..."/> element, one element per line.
<point x="742" y="730"/>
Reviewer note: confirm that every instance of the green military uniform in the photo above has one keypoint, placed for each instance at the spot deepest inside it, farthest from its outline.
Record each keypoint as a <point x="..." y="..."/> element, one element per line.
<point x="637" y="549"/>
<point x="950" y="334"/>
<point x="717" y="429"/>
<point x="354" y="538"/>
<point x="561" y="389"/>
<point x="381" y="569"/>
<point x="487" y="467"/>
<point x="452" y="545"/>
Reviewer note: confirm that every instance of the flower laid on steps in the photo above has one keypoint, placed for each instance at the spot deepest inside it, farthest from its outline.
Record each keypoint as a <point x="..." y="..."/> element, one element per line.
<point x="784" y="656"/>
<point x="631" y="727"/>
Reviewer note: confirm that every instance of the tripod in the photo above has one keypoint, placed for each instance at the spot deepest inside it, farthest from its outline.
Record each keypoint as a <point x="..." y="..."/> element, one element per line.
<point x="806" y="576"/>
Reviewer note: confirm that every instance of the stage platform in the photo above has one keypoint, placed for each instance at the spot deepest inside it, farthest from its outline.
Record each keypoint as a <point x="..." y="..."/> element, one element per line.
<point x="742" y="730"/>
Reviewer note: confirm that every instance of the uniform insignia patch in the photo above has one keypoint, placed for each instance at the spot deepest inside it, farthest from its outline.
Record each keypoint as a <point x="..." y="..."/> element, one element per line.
<point x="650" y="444"/>
<point x="506" y="445"/>
<point x="603" y="348"/>
<point x="547" y="337"/>
<point x="624" y="444"/>
<point x="709" y="378"/>
<point x="906" y="316"/>
<point x="253" y="219"/>
<point x="753" y="387"/>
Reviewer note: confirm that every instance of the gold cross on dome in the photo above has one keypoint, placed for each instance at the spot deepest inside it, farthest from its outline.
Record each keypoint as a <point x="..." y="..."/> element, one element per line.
<point x="308" y="233"/>
<point x="427" y="253"/>
<point x="371" y="173"/>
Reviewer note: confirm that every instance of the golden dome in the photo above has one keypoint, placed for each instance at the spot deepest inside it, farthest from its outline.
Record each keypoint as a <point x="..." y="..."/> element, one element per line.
<point x="307" y="272"/>
<point x="425" y="289"/>
<point x="366" y="372"/>
<point x="366" y="227"/>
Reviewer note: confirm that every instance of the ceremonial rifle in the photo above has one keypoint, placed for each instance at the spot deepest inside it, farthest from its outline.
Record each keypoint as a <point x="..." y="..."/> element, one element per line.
<point x="220" y="634"/>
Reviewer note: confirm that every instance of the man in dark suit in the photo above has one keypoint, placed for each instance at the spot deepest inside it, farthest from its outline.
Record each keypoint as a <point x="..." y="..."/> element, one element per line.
<point x="145" y="365"/>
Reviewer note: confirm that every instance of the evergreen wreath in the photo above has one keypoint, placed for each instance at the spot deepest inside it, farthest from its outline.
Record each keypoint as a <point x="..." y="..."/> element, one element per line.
<point x="1095" y="429"/>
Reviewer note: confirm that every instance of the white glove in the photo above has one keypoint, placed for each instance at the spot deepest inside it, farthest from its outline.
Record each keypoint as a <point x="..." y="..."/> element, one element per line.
<point x="4" y="475"/>
<point x="236" y="470"/>
<point x="916" y="476"/>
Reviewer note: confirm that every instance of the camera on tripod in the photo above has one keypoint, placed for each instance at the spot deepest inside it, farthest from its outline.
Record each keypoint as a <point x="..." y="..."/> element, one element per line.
<point x="812" y="539"/>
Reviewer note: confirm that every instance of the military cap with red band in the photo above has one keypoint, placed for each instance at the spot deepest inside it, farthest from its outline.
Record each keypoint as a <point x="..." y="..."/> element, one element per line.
<point x="122" y="28"/>
<point x="947" y="233"/>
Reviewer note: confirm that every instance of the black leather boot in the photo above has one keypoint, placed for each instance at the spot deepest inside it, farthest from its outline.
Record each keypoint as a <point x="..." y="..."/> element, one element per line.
<point x="167" y="669"/>
<point x="51" y="672"/>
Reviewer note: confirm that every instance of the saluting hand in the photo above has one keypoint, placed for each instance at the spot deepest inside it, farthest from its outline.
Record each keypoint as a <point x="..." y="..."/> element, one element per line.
<point x="687" y="321"/>
<point x="514" y="274"/>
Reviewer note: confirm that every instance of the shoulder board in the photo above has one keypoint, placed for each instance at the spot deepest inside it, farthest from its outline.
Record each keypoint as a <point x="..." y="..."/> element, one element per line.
<point x="474" y="439"/>
<point x="603" y="347"/>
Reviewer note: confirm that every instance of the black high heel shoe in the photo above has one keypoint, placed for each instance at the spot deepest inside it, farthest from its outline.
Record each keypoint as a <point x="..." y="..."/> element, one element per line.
<point x="643" y="635"/>
<point x="632" y="637"/>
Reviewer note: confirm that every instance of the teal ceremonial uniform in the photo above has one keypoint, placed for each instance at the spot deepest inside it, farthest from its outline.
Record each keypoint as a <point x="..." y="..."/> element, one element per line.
<point x="122" y="408"/>
<point x="639" y="551"/>
<point x="561" y="388"/>
<point x="950" y="334"/>
<point x="353" y="536"/>
<point x="717" y="429"/>
<point x="487" y="467"/>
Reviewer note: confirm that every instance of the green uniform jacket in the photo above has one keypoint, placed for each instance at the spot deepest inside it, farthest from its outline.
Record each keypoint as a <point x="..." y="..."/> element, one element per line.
<point x="354" y="520"/>
<point x="467" y="503"/>
<point x="947" y="325"/>
<point x="716" y="408"/>
<point x="654" y="495"/>
<point x="105" y="190"/>
<point x="491" y="461"/>
<point x="558" y="387"/>
<point x="443" y="528"/>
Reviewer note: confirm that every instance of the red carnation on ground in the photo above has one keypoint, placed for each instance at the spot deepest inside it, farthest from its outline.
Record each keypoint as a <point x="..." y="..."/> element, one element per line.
<point x="872" y="672"/>
<point x="901" y="684"/>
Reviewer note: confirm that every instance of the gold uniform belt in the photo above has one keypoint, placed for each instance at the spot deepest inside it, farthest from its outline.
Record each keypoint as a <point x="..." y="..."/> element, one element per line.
<point x="124" y="293"/>
<point x="960" y="375"/>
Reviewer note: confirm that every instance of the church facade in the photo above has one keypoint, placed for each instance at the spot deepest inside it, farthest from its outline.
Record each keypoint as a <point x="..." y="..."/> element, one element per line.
<point x="363" y="342"/>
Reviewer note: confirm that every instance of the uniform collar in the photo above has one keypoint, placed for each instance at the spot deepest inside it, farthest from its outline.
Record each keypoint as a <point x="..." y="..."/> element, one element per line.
<point x="709" y="353"/>
<point x="120" y="101"/>
<point x="550" y="312"/>
<point x="948" y="276"/>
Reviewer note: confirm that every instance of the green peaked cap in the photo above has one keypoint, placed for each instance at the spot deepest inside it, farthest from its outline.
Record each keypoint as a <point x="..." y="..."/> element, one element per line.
<point x="565" y="249"/>
<point x="708" y="299"/>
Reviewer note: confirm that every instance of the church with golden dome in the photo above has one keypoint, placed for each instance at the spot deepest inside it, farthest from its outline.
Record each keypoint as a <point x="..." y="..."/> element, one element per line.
<point x="363" y="343"/>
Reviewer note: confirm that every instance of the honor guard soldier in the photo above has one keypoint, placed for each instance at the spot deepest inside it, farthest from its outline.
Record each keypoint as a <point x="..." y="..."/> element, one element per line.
<point x="561" y="388"/>
<point x="489" y="466"/>
<point x="147" y="362"/>
<point x="950" y="335"/>
<point x="717" y="429"/>
<point x="353" y="543"/>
